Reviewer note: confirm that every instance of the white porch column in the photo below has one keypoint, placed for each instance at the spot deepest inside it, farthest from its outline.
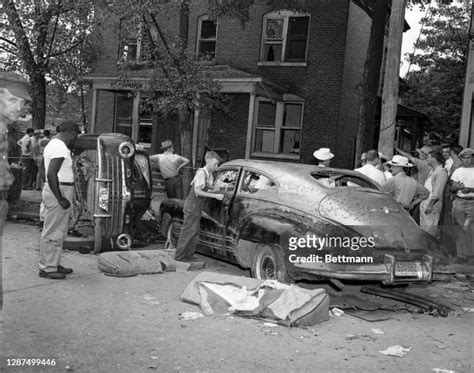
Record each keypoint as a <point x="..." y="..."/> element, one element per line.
<point x="135" y="116"/>
<point x="93" y="110"/>
<point x="248" y="143"/>
<point x="195" y="136"/>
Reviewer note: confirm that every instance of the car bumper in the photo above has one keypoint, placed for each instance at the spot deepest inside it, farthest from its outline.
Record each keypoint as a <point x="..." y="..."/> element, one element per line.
<point x="394" y="269"/>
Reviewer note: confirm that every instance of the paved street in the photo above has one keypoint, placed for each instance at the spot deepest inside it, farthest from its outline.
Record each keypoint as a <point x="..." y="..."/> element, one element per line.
<point x="95" y="323"/>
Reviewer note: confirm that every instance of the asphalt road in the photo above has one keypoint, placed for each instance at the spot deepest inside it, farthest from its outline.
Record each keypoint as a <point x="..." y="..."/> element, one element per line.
<point x="95" y="323"/>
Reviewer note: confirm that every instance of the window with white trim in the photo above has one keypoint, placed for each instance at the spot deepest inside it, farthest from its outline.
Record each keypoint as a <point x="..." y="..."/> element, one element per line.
<point x="277" y="128"/>
<point x="285" y="37"/>
<point x="207" y="37"/>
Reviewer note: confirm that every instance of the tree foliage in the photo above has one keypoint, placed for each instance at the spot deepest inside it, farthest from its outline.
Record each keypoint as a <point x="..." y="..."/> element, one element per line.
<point x="436" y="86"/>
<point x="50" y="41"/>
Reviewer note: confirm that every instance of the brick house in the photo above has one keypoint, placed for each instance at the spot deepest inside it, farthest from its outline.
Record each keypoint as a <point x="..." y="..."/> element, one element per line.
<point x="292" y="78"/>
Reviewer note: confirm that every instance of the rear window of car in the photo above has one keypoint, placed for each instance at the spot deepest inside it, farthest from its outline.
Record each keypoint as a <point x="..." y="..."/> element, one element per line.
<point x="335" y="180"/>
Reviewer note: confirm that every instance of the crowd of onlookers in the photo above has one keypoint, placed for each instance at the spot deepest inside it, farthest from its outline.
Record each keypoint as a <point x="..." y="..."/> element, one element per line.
<point x="436" y="186"/>
<point x="32" y="146"/>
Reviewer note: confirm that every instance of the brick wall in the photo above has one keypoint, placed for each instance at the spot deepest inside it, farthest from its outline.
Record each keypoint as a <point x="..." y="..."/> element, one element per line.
<point x="231" y="132"/>
<point x="105" y="112"/>
<point x="319" y="83"/>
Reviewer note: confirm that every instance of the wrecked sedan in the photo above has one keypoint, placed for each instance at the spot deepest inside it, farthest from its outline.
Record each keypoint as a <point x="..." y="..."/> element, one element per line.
<point x="290" y="221"/>
<point x="112" y="190"/>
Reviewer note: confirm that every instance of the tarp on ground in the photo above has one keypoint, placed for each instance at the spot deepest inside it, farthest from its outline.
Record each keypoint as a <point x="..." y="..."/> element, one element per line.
<point x="288" y="305"/>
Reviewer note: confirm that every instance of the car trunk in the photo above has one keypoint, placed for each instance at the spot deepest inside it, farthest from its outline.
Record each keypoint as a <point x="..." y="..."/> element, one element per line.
<point x="372" y="214"/>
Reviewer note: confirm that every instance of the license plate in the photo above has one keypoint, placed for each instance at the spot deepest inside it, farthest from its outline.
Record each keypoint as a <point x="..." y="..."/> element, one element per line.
<point x="407" y="269"/>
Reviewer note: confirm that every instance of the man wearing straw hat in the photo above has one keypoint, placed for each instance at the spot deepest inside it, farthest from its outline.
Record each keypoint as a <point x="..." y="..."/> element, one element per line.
<point x="170" y="165"/>
<point x="404" y="189"/>
<point x="324" y="156"/>
<point x="14" y="95"/>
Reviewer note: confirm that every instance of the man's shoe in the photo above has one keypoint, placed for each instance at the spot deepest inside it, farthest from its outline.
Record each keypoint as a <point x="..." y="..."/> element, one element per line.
<point x="52" y="275"/>
<point x="64" y="270"/>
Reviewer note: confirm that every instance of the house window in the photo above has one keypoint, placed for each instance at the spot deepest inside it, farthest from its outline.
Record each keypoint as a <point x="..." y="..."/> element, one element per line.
<point x="285" y="37"/>
<point x="278" y="128"/>
<point x="123" y="114"/>
<point x="207" y="36"/>
<point x="130" y="45"/>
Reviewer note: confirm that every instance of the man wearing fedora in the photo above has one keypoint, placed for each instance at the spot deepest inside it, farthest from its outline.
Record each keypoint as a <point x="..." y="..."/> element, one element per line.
<point x="421" y="163"/>
<point x="14" y="95"/>
<point x="404" y="189"/>
<point x="170" y="165"/>
<point x="323" y="156"/>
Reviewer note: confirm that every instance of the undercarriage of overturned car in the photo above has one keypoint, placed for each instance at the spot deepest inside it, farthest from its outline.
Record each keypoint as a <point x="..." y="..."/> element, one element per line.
<point x="300" y="222"/>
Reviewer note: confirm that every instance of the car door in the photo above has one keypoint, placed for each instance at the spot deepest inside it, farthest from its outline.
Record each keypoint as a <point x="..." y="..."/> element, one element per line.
<point x="215" y="214"/>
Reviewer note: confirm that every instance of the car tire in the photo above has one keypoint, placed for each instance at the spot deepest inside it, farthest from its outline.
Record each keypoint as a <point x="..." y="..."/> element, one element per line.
<point x="268" y="263"/>
<point x="170" y="241"/>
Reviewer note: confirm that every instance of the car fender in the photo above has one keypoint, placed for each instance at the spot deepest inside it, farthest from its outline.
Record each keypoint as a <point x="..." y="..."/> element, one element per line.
<point x="271" y="227"/>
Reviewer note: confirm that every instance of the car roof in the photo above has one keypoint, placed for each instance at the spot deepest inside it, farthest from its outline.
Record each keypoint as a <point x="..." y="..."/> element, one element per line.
<point x="292" y="173"/>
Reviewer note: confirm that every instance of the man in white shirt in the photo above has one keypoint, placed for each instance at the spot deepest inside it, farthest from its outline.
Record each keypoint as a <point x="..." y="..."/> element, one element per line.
<point x="170" y="165"/>
<point x="27" y="161"/>
<point x="370" y="170"/>
<point x="448" y="159"/>
<point x="57" y="199"/>
<point x="463" y="205"/>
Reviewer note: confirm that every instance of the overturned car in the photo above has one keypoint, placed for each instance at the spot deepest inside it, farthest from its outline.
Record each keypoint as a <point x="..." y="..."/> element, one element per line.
<point x="290" y="221"/>
<point x="112" y="190"/>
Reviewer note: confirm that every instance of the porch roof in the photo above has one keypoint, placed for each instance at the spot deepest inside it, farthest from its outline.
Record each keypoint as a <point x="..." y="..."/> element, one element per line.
<point x="233" y="80"/>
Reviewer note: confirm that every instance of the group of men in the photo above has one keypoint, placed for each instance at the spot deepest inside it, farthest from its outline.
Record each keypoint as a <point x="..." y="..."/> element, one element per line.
<point x="59" y="180"/>
<point x="443" y="177"/>
<point x="32" y="147"/>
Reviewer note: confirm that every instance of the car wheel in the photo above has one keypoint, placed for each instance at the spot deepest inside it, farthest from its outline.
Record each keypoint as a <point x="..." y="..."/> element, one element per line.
<point x="171" y="242"/>
<point x="269" y="264"/>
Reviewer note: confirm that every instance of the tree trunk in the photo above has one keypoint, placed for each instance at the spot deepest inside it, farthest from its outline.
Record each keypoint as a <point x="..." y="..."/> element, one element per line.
<point x="186" y="137"/>
<point x="392" y="74"/>
<point x="371" y="79"/>
<point x="38" y="104"/>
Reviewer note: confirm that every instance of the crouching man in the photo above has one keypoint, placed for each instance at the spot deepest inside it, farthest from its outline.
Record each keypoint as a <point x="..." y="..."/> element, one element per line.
<point x="57" y="199"/>
<point x="193" y="205"/>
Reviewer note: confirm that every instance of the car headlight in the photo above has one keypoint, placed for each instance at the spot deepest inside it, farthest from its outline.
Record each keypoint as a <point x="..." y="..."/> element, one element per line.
<point x="126" y="149"/>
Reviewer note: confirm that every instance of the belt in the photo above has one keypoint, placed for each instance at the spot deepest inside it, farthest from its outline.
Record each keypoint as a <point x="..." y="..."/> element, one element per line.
<point x="172" y="177"/>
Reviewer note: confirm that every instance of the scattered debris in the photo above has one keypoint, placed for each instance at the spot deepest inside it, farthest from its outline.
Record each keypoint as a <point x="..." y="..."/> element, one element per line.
<point x="372" y="316"/>
<point x="337" y="312"/>
<point x="435" y="308"/>
<point x="188" y="315"/>
<point x="377" y="331"/>
<point x="396" y="350"/>
<point x="441" y="370"/>
<point x="468" y="309"/>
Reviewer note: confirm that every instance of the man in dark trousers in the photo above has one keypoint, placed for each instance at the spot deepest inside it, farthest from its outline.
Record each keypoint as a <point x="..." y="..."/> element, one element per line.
<point x="193" y="205"/>
<point x="13" y="98"/>
<point x="57" y="199"/>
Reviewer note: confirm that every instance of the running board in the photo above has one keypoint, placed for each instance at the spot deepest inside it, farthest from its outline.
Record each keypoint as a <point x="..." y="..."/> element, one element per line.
<point x="416" y="300"/>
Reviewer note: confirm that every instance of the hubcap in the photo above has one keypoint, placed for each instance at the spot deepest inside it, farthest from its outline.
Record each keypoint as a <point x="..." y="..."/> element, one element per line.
<point x="268" y="268"/>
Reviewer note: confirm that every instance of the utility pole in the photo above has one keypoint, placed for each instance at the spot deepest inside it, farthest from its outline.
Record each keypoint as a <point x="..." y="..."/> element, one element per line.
<point x="392" y="74"/>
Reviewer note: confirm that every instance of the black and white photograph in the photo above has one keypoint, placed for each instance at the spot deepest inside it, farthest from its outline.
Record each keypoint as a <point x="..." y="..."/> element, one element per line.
<point x="237" y="186"/>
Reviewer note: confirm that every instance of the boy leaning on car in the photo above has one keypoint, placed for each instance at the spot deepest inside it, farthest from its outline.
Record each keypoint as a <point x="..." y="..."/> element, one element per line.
<point x="193" y="205"/>
<point x="57" y="199"/>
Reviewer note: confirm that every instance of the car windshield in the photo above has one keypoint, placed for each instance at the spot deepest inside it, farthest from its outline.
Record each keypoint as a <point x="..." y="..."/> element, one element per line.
<point x="333" y="179"/>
